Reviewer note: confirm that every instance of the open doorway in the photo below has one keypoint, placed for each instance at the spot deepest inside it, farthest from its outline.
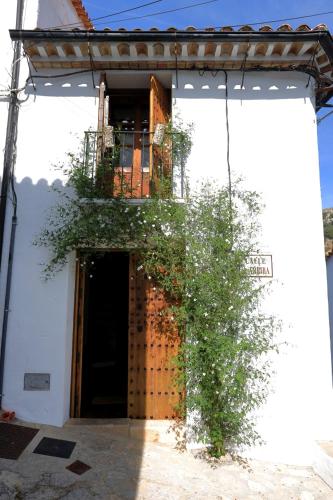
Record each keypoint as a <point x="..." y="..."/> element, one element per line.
<point x="105" y="337"/>
<point x="124" y="345"/>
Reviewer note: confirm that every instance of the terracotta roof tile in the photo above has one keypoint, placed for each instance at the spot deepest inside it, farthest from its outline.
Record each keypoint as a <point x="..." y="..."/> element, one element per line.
<point x="245" y="28"/>
<point x="82" y="13"/>
<point x="285" y="27"/>
<point x="265" y="28"/>
<point x="320" y="27"/>
<point x="303" y="27"/>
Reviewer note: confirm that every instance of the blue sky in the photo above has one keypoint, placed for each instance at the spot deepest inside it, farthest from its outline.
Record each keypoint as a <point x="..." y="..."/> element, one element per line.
<point x="230" y="12"/>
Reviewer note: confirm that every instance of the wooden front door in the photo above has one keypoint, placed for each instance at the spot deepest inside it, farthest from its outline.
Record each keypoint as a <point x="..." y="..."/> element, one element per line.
<point x="153" y="343"/>
<point x="77" y="356"/>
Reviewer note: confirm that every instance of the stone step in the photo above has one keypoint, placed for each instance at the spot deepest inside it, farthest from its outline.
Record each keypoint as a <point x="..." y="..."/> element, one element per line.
<point x="153" y="431"/>
<point x="323" y="462"/>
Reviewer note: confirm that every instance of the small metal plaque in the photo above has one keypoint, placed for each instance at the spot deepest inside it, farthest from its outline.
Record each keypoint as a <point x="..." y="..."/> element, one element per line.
<point x="36" y="381"/>
<point x="260" y="266"/>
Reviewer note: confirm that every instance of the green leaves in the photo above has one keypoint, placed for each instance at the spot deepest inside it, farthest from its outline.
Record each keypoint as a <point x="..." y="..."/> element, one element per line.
<point x="202" y="248"/>
<point x="196" y="251"/>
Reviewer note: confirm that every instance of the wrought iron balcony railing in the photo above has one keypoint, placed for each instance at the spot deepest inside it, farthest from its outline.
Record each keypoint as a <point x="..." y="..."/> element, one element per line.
<point x="128" y="164"/>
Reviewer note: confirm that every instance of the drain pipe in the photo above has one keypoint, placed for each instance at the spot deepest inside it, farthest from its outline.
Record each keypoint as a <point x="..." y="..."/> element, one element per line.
<point x="7" y="181"/>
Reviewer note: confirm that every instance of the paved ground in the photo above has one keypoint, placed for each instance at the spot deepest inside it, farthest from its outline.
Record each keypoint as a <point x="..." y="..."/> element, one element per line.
<point x="123" y="468"/>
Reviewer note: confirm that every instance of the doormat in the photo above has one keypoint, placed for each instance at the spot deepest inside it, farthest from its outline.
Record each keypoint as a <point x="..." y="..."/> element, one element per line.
<point x="14" y="439"/>
<point x="78" y="467"/>
<point x="55" y="447"/>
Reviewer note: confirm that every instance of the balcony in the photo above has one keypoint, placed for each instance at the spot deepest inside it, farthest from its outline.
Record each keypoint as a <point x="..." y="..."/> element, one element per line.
<point x="129" y="164"/>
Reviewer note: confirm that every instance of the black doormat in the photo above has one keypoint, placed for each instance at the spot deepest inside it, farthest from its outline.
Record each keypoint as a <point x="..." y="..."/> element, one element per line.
<point x="55" y="447"/>
<point x="78" y="467"/>
<point x="14" y="439"/>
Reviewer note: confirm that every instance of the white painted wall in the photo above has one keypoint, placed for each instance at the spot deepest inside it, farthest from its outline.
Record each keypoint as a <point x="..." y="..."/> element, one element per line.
<point x="52" y="123"/>
<point x="58" y="13"/>
<point x="273" y="146"/>
<point x="41" y="13"/>
<point x="40" y="323"/>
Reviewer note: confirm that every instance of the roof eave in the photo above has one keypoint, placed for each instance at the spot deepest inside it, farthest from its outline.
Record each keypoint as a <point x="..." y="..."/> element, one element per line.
<point x="172" y="36"/>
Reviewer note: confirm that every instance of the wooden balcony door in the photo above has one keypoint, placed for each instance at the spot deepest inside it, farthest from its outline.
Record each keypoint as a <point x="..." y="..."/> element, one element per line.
<point x="134" y="114"/>
<point x="159" y="109"/>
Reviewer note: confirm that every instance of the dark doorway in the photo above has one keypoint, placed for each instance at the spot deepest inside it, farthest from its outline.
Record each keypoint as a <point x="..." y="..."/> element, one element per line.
<point x="105" y="338"/>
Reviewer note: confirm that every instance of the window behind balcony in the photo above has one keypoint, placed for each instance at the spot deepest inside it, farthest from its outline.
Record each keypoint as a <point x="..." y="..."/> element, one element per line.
<point x="129" y="116"/>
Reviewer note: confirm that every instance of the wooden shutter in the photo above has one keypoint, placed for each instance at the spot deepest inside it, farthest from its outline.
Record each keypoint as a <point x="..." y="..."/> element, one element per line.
<point x="103" y="104"/>
<point x="159" y="113"/>
<point x="76" y="388"/>
<point x="153" y="343"/>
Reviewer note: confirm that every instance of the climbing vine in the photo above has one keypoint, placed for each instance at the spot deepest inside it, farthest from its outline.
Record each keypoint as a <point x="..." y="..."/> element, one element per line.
<point x="196" y="249"/>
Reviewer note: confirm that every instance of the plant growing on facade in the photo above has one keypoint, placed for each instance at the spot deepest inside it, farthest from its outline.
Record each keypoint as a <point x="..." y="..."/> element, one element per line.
<point x="196" y="250"/>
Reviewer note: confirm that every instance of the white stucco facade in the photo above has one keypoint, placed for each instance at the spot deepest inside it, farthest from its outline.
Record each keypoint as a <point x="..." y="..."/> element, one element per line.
<point x="33" y="187"/>
<point x="273" y="146"/>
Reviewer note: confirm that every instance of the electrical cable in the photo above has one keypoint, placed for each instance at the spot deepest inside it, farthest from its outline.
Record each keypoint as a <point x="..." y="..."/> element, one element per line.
<point x="260" y="23"/>
<point x="8" y="182"/>
<point x="176" y="59"/>
<point x="256" y="23"/>
<point x="92" y="65"/>
<point x="109" y="15"/>
<point x="191" y="6"/>
<point x="244" y="64"/>
<point x="30" y="73"/>
<point x="312" y="60"/>
<point x="169" y="11"/>
<point x="228" y="137"/>
<point x="303" y="69"/>
<point x="323" y="117"/>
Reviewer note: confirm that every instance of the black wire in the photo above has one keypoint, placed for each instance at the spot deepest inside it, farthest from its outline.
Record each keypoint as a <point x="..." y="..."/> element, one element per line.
<point x="164" y="11"/>
<point x="323" y="117"/>
<point x="108" y="15"/>
<point x="258" y="23"/>
<point x="244" y="64"/>
<point x="92" y="65"/>
<point x="176" y="60"/>
<point x="30" y="72"/>
<point x="228" y="138"/>
<point x="312" y="60"/>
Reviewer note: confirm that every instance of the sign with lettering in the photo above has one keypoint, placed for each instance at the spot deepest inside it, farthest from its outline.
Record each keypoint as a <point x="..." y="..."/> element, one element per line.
<point x="260" y="266"/>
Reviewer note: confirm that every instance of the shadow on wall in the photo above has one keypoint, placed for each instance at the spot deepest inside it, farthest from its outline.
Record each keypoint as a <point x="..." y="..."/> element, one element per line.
<point x="40" y="341"/>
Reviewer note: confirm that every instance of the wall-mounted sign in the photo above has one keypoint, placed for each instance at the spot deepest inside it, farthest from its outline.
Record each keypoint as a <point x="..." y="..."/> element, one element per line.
<point x="260" y="266"/>
<point x="36" y="381"/>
